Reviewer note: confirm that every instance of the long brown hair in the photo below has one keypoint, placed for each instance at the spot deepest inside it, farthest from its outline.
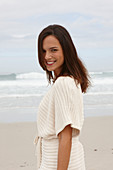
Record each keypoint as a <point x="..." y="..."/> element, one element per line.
<point x="72" y="65"/>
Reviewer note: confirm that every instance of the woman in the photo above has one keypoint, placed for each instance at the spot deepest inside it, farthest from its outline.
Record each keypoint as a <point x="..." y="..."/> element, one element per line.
<point x="60" y="113"/>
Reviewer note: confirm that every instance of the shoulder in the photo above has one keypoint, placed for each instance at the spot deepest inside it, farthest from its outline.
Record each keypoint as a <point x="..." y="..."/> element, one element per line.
<point x="66" y="82"/>
<point x="63" y="80"/>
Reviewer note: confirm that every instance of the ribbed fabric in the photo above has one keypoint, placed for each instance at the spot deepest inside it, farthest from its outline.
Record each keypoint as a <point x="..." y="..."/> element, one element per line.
<point x="62" y="105"/>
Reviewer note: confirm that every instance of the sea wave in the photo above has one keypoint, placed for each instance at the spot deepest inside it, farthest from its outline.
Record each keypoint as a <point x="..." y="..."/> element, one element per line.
<point x="38" y="75"/>
<point x="42" y="94"/>
<point x="29" y="76"/>
<point x="102" y="81"/>
<point x="94" y="73"/>
<point x="100" y="72"/>
<point x="8" y="77"/>
<point x="98" y="93"/>
<point x="20" y="95"/>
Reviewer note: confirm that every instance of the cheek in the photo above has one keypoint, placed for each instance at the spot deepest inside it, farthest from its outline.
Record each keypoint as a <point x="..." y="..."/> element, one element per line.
<point x="60" y="57"/>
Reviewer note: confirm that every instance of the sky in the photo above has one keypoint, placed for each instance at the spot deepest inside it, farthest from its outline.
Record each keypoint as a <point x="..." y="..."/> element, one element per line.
<point x="90" y="24"/>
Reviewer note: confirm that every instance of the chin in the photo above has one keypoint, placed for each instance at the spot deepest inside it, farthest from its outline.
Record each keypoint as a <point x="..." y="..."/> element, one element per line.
<point x="50" y="69"/>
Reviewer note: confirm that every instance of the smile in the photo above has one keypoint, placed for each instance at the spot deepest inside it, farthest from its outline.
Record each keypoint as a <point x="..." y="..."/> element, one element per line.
<point x="50" y="63"/>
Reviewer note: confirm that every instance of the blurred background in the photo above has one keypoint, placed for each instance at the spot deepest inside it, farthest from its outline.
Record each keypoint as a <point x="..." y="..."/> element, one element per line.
<point x="22" y="81"/>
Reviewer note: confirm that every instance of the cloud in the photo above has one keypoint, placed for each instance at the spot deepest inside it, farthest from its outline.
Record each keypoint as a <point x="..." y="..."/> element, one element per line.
<point x="23" y="36"/>
<point x="89" y="22"/>
<point x="16" y="9"/>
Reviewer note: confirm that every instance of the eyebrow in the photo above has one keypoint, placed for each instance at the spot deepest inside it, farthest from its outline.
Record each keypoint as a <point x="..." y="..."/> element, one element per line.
<point x="51" y="48"/>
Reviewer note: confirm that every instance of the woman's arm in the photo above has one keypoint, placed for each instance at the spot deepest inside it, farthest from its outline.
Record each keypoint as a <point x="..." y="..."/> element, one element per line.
<point x="64" y="150"/>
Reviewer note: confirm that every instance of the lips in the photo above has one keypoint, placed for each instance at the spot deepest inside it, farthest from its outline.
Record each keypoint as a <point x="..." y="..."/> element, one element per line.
<point x="50" y="62"/>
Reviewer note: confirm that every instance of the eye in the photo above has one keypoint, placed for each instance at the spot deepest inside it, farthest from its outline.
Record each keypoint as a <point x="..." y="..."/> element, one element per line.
<point x="43" y="50"/>
<point x="54" y="50"/>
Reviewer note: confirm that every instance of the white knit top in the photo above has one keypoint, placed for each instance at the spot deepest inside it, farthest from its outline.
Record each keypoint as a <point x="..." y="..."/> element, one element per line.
<point x="61" y="106"/>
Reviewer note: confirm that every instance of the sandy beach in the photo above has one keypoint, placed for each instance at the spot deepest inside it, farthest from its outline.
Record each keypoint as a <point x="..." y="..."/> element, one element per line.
<point x="17" y="151"/>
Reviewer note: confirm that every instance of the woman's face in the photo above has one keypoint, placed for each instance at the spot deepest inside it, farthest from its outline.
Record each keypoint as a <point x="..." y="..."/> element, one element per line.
<point x="53" y="54"/>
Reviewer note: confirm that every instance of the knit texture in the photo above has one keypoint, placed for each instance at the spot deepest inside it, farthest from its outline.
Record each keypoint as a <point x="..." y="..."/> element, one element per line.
<point x="61" y="106"/>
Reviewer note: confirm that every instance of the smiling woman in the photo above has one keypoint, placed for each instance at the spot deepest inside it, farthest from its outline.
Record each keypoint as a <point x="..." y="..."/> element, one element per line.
<point x="60" y="113"/>
<point x="53" y="54"/>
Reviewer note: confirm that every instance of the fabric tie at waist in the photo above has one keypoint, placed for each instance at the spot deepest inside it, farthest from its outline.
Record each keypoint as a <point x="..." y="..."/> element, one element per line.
<point x="37" y="142"/>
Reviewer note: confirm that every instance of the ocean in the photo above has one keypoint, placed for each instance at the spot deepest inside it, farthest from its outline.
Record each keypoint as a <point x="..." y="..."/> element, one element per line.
<point x="20" y="95"/>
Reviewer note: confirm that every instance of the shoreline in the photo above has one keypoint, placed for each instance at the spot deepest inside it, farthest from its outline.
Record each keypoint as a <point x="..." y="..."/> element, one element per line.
<point x="18" y="151"/>
<point x="30" y="114"/>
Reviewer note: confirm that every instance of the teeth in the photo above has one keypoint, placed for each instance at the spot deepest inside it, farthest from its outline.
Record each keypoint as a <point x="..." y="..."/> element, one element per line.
<point x="50" y="62"/>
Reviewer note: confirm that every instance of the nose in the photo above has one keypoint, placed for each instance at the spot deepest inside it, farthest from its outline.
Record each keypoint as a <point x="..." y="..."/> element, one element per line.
<point x="48" y="56"/>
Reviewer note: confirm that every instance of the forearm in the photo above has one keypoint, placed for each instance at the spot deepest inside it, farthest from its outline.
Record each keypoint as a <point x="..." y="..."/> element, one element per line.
<point x="64" y="151"/>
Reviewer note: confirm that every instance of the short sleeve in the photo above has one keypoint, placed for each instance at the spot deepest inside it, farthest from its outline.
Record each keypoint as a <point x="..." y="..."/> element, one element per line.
<point x="68" y="105"/>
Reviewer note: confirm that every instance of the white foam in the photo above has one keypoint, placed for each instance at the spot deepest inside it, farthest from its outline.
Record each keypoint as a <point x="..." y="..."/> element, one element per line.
<point x="93" y="73"/>
<point x="31" y="75"/>
<point x="100" y="72"/>
<point x="23" y="83"/>
<point x="102" y="81"/>
<point x="19" y="95"/>
<point x="98" y="93"/>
